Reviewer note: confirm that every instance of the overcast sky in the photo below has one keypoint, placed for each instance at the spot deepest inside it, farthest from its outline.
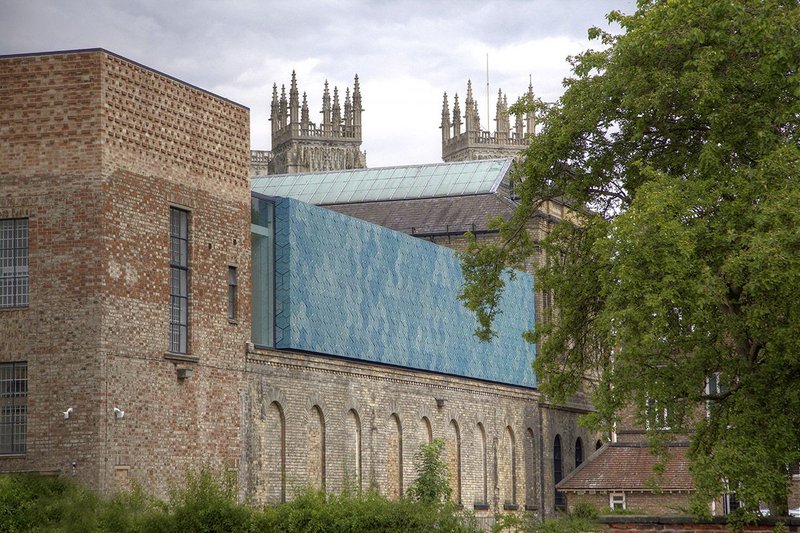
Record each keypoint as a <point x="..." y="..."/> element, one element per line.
<point x="406" y="53"/>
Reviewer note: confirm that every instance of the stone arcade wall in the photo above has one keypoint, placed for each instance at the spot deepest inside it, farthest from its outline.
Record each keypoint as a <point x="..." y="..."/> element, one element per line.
<point x="373" y="419"/>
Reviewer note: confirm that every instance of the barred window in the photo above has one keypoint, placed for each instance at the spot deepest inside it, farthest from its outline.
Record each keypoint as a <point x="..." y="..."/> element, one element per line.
<point x="14" y="262"/>
<point x="232" y="293"/>
<point x="178" y="280"/>
<point x="13" y="407"/>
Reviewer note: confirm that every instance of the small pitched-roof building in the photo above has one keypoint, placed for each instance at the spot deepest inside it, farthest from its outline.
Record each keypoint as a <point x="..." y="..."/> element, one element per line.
<point x="622" y="476"/>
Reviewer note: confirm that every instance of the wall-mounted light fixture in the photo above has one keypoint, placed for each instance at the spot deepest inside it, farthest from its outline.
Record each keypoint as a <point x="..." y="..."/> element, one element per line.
<point x="67" y="412"/>
<point x="119" y="413"/>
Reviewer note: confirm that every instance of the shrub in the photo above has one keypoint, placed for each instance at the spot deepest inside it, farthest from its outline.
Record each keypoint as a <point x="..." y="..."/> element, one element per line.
<point x="432" y="485"/>
<point x="584" y="510"/>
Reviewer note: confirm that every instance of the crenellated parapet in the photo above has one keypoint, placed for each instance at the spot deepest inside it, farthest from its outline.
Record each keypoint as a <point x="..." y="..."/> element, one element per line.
<point x="300" y="145"/>
<point x="473" y="142"/>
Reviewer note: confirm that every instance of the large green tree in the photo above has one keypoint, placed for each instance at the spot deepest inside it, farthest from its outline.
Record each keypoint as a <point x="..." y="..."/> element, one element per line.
<point x="677" y="143"/>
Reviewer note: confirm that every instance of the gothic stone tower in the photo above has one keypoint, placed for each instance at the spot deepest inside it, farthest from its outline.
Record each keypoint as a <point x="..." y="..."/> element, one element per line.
<point x="299" y="145"/>
<point x="473" y="143"/>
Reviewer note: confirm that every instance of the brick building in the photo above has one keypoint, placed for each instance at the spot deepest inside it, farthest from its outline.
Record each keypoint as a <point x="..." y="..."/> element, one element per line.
<point x="141" y="334"/>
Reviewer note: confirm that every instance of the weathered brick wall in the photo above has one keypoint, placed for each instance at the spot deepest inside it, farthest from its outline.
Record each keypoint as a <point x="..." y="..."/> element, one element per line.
<point x="296" y="382"/>
<point x="50" y="159"/>
<point x="643" y="503"/>
<point x="94" y="150"/>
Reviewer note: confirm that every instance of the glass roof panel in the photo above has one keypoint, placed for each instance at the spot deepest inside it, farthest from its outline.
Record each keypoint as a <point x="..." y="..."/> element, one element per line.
<point x="388" y="183"/>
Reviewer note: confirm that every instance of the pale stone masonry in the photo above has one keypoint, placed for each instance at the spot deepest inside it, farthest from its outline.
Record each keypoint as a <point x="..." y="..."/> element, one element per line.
<point x="474" y="142"/>
<point x="95" y="150"/>
<point x="300" y="144"/>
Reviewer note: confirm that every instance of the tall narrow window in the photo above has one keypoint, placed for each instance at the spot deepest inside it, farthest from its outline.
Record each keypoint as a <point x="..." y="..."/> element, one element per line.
<point x="233" y="296"/>
<point x="14" y="262"/>
<point x="578" y="452"/>
<point x="13" y="407"/>
<point x="558" y="472"/>
<point x="482" y="500"/>
<point x="178" y="280"/>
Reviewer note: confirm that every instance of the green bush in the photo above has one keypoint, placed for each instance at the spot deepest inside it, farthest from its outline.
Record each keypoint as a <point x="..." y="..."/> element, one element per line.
<point x="432" y="485"/>
<point x="207" y="503"/>
<point x="584" y="510"/>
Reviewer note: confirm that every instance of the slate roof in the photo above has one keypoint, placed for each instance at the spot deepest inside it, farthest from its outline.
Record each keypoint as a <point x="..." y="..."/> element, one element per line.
<point x="430" y="216"/>
<point x="629" y="467"/>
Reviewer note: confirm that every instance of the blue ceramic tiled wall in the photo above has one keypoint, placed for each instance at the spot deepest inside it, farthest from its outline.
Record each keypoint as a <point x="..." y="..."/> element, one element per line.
<point x="349" y="288"/>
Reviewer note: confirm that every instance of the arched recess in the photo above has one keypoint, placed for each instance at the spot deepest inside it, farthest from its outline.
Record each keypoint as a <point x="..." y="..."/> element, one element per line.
<point x="394" y="458"/>
<point x="483" y="466"/>
<point x="530" y="469"/>
<point x="453" y="450"/>
<point x="598" y="444"/>
<point x="578" y="452"/>
<point x="426" y="430"/>
<point x="353" y="450"/>
<point x="316" y="448"/>
<point x="507" y="468"/>
<point x="275" y="453"/>
<point x="558" y="472"/>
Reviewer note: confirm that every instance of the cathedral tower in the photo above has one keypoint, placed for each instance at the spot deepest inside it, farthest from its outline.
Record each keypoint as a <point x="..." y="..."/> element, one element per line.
<point x="476" y="143"/>
<point x="299" y="145"/>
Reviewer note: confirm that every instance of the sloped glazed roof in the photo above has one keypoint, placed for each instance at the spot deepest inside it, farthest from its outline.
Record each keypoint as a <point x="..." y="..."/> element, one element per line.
<point x="629" y="467"/>
<point x="387" y="183"/>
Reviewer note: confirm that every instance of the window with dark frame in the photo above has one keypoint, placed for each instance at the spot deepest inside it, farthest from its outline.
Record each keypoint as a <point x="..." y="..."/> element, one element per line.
<point x="558" y="472"/>
<point x="13" y="407"/>
<point x="232" y="293"/>
<point x="14" y="262"/>
<point x="578" y="452"/>
<point x="178" y="280"/>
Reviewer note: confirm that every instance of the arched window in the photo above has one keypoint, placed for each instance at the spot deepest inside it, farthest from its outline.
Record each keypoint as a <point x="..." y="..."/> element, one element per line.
<point x="578" y="452"/>
<point x="557" y="472"/>
<point x="508" y="470"/>
<point x="530" y="470"/>
<point x="598" y="444"/>
<point x="316" y="448"/>
<point x="353" y="461"/>
<point x="275" y="453"/>
<point x="482" y="497"/>
<point x="394" y="459"/>
<point x="454" y="460"/>
<point x="427" y="431"/>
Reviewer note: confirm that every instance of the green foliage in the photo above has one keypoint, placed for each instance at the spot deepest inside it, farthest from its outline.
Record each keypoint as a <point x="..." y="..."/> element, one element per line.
<point x="530" y="524"/>
<point x="432" y="485"/>
<point x="680" y="137"/>
<point x="207" y="504"/>
<point x="314" y="511"/>
<point x="509" y="522"/>
<point x="584" y="511"/>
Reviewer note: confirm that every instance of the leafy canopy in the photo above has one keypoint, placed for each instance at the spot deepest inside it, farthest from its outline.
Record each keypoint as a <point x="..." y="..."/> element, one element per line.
<point x="680" y="138"/>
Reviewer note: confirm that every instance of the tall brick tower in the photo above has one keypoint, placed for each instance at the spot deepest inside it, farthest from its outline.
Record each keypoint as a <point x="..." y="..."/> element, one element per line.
<point x="124" y="226"/>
